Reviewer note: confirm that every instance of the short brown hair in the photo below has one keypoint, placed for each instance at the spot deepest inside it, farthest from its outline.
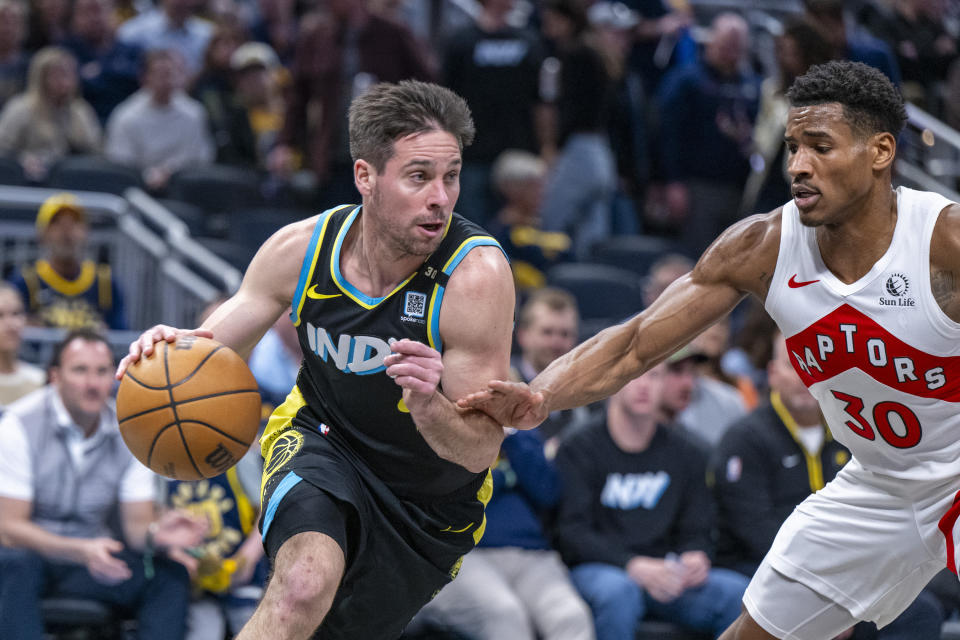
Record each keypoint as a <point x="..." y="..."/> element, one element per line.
<point x="388" y="112"/>
<point x="554" y="299"/>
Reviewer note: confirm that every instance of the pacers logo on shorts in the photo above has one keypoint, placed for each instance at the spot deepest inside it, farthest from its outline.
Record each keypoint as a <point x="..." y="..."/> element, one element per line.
<point x="282" y="451"/>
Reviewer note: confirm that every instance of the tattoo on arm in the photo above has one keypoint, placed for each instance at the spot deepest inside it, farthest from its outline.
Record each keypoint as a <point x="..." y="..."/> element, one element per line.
<point x="944" y="286"/>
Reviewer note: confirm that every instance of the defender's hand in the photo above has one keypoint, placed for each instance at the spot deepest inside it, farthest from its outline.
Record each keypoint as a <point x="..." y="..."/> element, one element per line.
<point x="143" y="346"/>
<point x="416" y="367"/>
<point x="512" y="404"/>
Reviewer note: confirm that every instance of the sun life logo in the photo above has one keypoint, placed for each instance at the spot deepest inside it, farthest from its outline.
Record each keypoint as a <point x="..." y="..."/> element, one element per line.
<point x="897" y="285"/>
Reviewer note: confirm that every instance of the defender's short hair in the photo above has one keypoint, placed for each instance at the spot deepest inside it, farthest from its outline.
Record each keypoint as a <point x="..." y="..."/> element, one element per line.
<point x="388" y="112"/>
<point x="870" y="102"/>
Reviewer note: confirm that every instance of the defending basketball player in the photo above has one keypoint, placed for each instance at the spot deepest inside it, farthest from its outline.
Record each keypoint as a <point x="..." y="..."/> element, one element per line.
<point x="862" y="279"/>
<point x="375" y="482"/>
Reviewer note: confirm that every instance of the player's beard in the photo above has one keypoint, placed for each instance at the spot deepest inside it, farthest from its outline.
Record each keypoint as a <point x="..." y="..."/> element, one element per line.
<point x="402" y="236"/>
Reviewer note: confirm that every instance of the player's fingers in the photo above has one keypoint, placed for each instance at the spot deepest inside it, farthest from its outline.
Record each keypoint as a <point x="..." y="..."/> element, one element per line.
<point x="475" y="400"/>
<point x="426" y="362"/>
<point x="202" y="333"/>
<point x="415" y="385"/>
<point x="411" y="370"/>
<point x="122" y="367"/>
<point x="412" y="347"/>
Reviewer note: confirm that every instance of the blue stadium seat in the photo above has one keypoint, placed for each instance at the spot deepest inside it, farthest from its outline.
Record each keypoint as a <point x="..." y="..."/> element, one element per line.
<point x="602" y="291"/>
<point x="11" y="172"/>
<point x="217" y="188"/>
<point x="633" y="252"/>
<point x="93" y="173"/>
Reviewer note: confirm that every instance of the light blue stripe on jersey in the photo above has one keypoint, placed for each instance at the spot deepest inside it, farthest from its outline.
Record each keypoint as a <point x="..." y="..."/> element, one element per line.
<point x="289" y="482"/>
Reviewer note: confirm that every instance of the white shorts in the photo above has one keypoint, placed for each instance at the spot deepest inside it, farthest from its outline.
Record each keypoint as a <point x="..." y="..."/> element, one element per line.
<point x="866" y="541"/>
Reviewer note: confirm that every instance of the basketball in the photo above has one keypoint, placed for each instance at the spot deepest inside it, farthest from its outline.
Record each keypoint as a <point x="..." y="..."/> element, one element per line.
<point x="190" y="410"/>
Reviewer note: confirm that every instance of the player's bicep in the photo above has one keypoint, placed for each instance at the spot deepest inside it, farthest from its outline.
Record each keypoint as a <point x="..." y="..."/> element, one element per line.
<point x="266" y="291"/>
<point x="476" y="322"/>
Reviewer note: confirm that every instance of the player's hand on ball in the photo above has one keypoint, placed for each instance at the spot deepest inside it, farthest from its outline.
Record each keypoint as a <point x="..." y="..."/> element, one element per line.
<point x="143" y="346"/>
<point x="416" y="367"/>
<point x="512" y="404"/>
<point x="99" y="560"/>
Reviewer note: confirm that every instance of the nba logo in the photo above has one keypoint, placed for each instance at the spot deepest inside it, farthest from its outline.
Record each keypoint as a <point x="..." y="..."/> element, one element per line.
<point x="324" y="429"/>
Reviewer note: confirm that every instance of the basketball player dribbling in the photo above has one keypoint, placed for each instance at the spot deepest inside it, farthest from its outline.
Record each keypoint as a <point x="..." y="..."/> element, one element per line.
<point x="374" y="482"/>
<point x="863" y="281"/>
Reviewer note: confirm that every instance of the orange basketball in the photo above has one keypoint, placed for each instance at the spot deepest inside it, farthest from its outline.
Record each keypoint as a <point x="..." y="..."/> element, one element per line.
<point x="190" y="410"/>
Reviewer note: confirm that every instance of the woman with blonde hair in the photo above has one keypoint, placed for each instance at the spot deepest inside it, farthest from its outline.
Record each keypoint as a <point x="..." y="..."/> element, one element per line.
<point x="49" y="120"/>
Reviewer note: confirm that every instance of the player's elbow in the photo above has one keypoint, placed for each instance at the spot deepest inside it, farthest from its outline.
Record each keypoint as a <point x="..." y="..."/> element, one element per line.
<point x="485" y="453"/>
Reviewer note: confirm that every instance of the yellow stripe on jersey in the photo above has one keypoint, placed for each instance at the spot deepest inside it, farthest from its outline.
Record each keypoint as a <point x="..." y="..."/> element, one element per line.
<point x="88" y="273"/>
<point x="483" y="495"/>
<point x="281" y="419"/>
<point x="814" y="468"/>
<point x="306" y="275"/>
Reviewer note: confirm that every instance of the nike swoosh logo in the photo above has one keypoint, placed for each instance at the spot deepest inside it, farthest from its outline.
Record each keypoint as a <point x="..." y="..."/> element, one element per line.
<point x="312" y="293"/>
<point x="793" y="284"/>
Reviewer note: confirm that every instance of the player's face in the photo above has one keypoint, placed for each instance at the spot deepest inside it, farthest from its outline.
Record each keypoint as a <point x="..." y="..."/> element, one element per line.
<point x="84" y="378"/>
<point x="549" y="335"/>
<point x="12" y="320"/>
<point x="413" y="198"/>
<point x="640" y="398"/>
<point x="831" y="167"/>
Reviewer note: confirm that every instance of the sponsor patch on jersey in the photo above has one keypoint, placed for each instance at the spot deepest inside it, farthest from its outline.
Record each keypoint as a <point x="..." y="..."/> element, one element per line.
<point x="897" y="286"/>
<point x="415" y="304"/>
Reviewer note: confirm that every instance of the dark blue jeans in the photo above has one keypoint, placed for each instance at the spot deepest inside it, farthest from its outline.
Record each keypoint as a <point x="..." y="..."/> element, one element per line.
<point x="159" y="604"/>
<point x="619" y="603"/>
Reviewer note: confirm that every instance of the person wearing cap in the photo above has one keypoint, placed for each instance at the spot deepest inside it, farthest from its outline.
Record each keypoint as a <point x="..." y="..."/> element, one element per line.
<point x="635" y="520"/>
<point x="62" y="289"/>
<point x="258" y="93"/>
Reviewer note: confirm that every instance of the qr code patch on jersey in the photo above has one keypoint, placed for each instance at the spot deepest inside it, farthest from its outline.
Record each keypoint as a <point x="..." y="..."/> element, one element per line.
<point x="415" y="304"/>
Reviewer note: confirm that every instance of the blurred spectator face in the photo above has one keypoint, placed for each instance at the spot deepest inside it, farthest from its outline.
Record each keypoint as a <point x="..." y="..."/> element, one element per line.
<point x="52" y="12"/>
<point x="640" y="398"/>
<point x="679" y="380"/>
<point x="93" y="19"/>
<point x="164" y="77"/>
<point x="784" y="379"/>
<point x="728" y="44"/>
<point x="12" y="320"/>
<point x="254" y="86"/>
<point x="224" y="42"/>
<point x="65" y="238"/>
<point x="789" y="57"/>
<point x="275" y="9"/>
<point x="549" y="334"/>
<point x="662" y="275"/>
<point x="555" y="26"/>
<point x="84" y="378"/>
<point x="179" y="10"/>
<point x="60" y="80"/>
<point x="13" y="25"/>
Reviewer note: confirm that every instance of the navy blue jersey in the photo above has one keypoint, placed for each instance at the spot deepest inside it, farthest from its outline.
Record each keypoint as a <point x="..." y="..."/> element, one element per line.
<point x="342" y="388"/>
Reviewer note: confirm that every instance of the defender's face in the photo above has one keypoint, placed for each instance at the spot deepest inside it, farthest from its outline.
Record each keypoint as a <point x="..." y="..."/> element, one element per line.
<point x="413" y="198"/>
<point x="831" y="168"/>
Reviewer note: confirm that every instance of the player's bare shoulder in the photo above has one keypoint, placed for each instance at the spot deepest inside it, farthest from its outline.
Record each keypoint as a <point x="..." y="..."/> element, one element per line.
<point x="278" y="262"/>
<point x="745" y="255"/>
<point x="945" y="262"/>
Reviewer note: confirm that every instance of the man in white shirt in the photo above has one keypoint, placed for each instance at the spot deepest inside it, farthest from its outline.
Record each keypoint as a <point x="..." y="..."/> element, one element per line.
<point x="171" y="25"/>
<point x="64" y="473"/>
<point x="17" y="378"/>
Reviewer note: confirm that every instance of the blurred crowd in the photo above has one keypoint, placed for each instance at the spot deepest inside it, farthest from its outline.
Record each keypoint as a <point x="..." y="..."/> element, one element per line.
<point x="596" y="121"/>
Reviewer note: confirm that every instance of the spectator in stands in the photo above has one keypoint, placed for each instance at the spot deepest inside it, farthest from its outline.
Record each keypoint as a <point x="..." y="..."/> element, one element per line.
<point x="161" y="105"/>
<point x="48" y="23"/>
<point x="662" y="39"/>
<point x="768" y="463"/>
<point x="716" y="401"/>
<point x="257" y="78"/>
<point x="276" y="25"/>
<point x="519" y="179"/>
<point x="579" y="192"/>
<point x="800" y="46"/>
<point x="64" y="472"/>
<point x="63" y="289"/>
<point x="171" y="26"/>
<point x="496" y="68"/>
<point x="214" y="89"/>
<point x="922" y="43"/>
<point x="635" y="521"/>
<point x="275" y="361"/>
<point x="109" y="68"/>
<point x="707" y="111"/>
<point x="13" y="56"/>
<point x="339" y="55"/>
<point x="17" y="378"/>
<point x="514" y="585"/>
<point x="49" y="120"/>
<point x="662" y="273"/>
<point x="847" y="41"/>
<point x="547" y="328"/>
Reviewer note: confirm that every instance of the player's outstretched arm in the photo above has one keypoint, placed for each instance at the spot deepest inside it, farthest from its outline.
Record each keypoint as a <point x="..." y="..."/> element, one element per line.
<point x="741" y="261"/>
<point x="266" y="291"/>
<point x="476" y="323"/>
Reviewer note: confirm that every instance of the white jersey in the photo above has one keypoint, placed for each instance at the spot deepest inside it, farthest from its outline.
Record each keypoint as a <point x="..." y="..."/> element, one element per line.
<point x="879" y="354"/>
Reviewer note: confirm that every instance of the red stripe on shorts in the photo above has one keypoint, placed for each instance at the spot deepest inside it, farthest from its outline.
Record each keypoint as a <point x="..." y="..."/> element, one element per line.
<point x="946" y="524"/>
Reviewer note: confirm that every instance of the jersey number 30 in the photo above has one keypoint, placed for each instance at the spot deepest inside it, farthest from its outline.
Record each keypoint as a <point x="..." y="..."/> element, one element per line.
<point x="881" y="418"/>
